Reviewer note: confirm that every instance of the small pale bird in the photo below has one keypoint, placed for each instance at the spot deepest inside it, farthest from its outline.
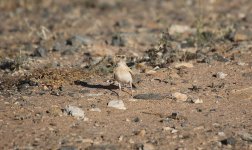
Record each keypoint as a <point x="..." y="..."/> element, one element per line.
<point x="122" y="73"/>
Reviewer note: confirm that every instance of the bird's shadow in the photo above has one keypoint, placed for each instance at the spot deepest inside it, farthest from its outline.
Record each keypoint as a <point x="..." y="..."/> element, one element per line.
<point x="95" y="86"/>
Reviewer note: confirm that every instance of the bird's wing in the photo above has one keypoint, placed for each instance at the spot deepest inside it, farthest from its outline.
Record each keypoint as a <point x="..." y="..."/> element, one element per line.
<point x="130" y="71"/>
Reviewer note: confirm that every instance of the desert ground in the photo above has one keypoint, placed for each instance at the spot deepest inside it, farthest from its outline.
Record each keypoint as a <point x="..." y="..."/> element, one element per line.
<point x="192" y="70"/>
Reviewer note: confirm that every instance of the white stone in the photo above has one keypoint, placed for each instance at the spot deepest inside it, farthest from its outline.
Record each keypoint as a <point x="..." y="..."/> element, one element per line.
<point x="174" y="131"/>
<point x="75" y="111"/>
<point x="221" y="134"/>
<point x="95" y="109"/>
<point x="148" y="146"/>
<point x="241" y="63"/>
<point x="221" y="75"/>
<point x="179" y="96"/>
<point x="183" y="64"/>
<point x="175" y="28"/>
<point x="167" y="128"/>
<point x="197" y="101"/>
<point x="118" y="104"/>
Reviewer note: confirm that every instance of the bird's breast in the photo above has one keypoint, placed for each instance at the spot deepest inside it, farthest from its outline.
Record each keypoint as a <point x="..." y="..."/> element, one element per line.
<point x="123" y="76"/>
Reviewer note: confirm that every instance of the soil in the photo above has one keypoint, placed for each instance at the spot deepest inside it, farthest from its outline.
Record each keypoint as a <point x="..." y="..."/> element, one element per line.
<point x="60" y="53"/>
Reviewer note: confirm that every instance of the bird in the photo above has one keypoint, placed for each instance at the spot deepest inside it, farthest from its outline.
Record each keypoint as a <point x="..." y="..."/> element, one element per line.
<point x="122" y="73"/>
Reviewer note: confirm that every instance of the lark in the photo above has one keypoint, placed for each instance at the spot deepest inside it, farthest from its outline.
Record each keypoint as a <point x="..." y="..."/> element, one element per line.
<point x="122" y="73"/>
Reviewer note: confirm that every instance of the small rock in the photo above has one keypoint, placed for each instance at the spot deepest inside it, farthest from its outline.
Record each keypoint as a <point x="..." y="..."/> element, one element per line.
<point x="56" y="93"/>
<point x="95" y="109"/>
<point x="197" y="100"/>
<point x="199" y="128"/>
<point x="167" y="128"/>
<point x="221" y="134"/>
<point x="74" y="95"/>
<point x="246" y="136"/>
<point x="142" y="133"/>
<point x="95" y="146"/>
<point x="241" y="63"/>
<point x="54" y="111"/>
<point x="118" y="104"/>
<point x="8" y="64"/>
<point x="87" y="140"/>
<point x="131" y="141"/>
<point x="69" y="51"/>
<point x="40" y="52"/>
<point x="149" y="96"/>
<point x="219" y="58"/>
<point x="174" y="131"/>
<point x="117" y="40"/>
<point x="23" y="87"/>
<point x="136" y="119"/>
<point x="148" y="146"/>
<point x="179" y="29"/>
<point x="240" y="37"/>
<point x="68" y="148"/>
<point x="228" y="141"/>
<point x="179" y="96"/>
<point x="57" y="47"/>
<point x="78" y="40"/>
<point x="183" y="64"/>
<point x="150" y="72"/>
<point x="120" y="138"/>
<point x="75" y="111"/>
<point x="94" y="94"/>
<point x="221" y="75"/>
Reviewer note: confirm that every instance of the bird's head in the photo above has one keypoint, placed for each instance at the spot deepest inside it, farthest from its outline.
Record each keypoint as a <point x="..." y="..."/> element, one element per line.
<point x="120" y="59"/>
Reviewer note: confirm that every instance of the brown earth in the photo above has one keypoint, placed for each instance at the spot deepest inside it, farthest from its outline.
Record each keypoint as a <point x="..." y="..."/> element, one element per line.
<point x="59" y="53"/>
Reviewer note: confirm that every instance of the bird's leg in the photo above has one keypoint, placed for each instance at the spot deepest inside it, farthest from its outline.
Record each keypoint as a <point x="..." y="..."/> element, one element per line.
<point x="131" y="89"/>
<point x="120" y="87"/>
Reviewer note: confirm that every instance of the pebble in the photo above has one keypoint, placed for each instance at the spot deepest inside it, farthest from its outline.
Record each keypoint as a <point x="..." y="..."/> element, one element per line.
<point x="57" y="47"/>
<point x="246" y="136"/>
<point x="87" y="140"/>
<point x="98" y="146"/>
<point x="241" y="63"/>
<point x="131" y="141"/>
<point x="117" y="40"/>
<point x="197" y="100"/>
<point x="78" y="40"/>
<point x="75" y="112"/>
<point x="228" y="141"/>
<point x="221" y="134"/>
<point x="199" y="128"/>
<point x="150" y="72"/>
<point x="68" y="148"/>
<point x="148" y="146"/>
<point x="167" y="128"/>
<point x="95" y="109"/>
<point x="149" y="96"/>
<point x="94" y="95"/>
<point x="221" y="75"/>
<point x="142" y="133"/>
<point x="183" y="64"/>
<point x="174" y="131"/>
<point x="118" y="104"/>
<point x="7" y="64"/>
<point x="120" y="138"/>
<point x="240" y="37"/>
<point x="175" y="28"/>
<point x="54" y="111"/>
<point x="40" y="52"/>
<point x="179" y="96"/>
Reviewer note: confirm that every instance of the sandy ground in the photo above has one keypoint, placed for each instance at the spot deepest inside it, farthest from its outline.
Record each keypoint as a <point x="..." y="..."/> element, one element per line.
<point x="192" y="64"/>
